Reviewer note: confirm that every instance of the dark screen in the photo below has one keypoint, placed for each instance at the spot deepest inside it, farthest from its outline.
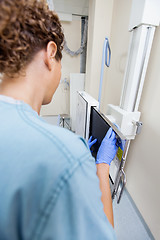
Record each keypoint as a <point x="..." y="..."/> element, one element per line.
<point x="98" y="129"/>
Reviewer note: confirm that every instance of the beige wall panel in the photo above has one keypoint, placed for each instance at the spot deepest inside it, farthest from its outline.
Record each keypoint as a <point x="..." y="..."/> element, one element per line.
<point x="143" y="164"/>
<point x="119" y="42"/>
<point x="100" y="18"/>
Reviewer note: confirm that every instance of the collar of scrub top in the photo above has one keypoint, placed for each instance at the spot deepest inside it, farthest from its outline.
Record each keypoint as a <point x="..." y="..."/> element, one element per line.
<point x="10" y="100"/>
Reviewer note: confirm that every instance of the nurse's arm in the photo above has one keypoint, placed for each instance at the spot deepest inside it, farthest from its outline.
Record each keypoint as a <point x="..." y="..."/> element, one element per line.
<point x="103" y="175"/>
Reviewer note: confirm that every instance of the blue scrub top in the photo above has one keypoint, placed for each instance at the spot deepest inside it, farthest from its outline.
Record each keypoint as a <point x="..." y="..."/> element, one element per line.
<point x="48" y="184"/>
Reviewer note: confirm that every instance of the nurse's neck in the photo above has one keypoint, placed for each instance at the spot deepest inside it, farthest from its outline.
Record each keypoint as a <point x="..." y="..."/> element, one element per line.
<point x="28" y="86"/>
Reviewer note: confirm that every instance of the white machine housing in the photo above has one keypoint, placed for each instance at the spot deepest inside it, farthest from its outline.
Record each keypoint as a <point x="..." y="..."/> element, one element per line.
<point x="144" y="12"/>
<point x="126" y="120"/>
<point x="84" y="104"/>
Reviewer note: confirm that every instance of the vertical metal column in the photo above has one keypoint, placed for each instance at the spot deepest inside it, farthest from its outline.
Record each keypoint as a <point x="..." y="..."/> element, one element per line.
<point x="83" y="55"/>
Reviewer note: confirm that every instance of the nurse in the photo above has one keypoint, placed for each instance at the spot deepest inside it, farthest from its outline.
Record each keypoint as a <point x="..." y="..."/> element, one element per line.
<point x="50" y="186"/>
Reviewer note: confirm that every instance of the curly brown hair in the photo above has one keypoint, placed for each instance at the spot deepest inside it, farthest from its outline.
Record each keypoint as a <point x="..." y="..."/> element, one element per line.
<point x="26" y="26"/>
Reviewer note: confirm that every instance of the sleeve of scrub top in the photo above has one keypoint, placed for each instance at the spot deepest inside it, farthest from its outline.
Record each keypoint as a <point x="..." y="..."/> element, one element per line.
<point x="78" y="212"/>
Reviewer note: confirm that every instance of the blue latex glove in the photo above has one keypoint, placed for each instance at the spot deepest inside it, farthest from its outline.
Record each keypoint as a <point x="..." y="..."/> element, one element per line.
<point x="120" y="143"/>
<point x="108" y="148"/>
<point x="90" y="142"/>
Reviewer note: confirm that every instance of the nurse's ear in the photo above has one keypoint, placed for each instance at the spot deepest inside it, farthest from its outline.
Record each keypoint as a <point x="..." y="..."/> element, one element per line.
<point x="51" y="51"/>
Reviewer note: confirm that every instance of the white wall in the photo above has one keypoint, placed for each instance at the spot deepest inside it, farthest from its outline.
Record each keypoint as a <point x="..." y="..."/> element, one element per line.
<point x="143" y="161"/>
<point x="119" y="42"/>
<point x="60" y="101"/>
<point x="98" y="30"/>
<point x="79" y="7"/>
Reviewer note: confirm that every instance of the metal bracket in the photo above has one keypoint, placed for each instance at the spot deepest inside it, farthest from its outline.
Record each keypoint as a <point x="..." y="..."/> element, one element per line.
<point x="120" y="181"/>
<point x="121" y="185"/>
<point x="139" y="126"/>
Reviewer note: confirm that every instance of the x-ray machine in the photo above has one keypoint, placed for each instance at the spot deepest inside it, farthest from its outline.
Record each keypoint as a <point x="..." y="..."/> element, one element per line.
<point x="143" y="21"/>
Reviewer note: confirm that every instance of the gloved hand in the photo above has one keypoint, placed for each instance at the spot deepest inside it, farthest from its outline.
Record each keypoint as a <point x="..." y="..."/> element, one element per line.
<point x="90" y="142"/>
<point x="120" y="143"/>
<point x="108" y="148"/>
